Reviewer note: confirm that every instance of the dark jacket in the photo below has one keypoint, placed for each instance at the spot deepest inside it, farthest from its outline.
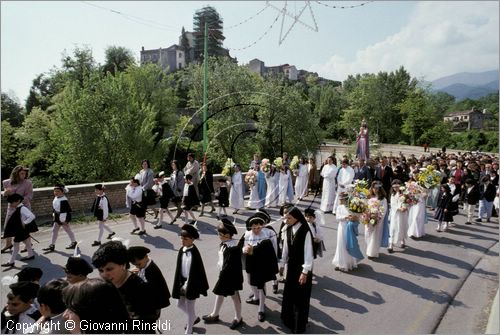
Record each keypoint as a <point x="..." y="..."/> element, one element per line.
<point x="157" y="285"/>
<point x="472" y="197"/>
<point x="198" y="283"/>
<point x="487" y="193"/>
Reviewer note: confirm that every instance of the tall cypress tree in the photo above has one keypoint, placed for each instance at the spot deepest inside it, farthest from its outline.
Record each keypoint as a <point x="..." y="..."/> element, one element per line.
<point x="215" y="35"/>
<point x="184" y="44"/>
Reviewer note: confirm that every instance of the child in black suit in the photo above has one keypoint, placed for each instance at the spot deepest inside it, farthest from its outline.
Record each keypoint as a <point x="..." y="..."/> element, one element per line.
<point x="190" y="279"/>
<point x="189" y="199"/>
<point x="148" y="271"/>
<point x="230" y="276"/>
<point x="223" y="197"/>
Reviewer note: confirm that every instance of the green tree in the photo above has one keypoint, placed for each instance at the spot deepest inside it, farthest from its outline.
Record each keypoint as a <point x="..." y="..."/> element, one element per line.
<point x="117" y="59"/>
<point x="41" y="93"/>
<point x="110" y="123"/>
<point x="36" y="145"/>
<point x="418" y="115"/>
<point x="10" y="148"/>
<point x="12" y="111"/>
<point x="184" y="44"/>
<point x="215" y="36"/>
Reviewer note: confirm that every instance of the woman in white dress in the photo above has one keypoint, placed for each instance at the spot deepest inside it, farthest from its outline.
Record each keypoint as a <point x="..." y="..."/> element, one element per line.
<point x="236" y="193"/>
<point x="398" y="218"/>
<point x="417" y="217"/>
<point x="373" y="234"/>
<point x="302" y="179"/>
<point x="283" y="185"/>
<point x="342" y="259"/>
<point x="254" y="200"/>
<point x="272" y="180"/>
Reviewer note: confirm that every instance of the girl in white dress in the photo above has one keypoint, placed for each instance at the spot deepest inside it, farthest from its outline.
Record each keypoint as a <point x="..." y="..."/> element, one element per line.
<point x="283" y="185"/>
<point x="417" y="217"/>
<point x="398" y="218"/>
<point x="342" y="259"/>
<point x="373" y="234"/>
<point x="236" y="193"/>
<point x="272" y="180"/>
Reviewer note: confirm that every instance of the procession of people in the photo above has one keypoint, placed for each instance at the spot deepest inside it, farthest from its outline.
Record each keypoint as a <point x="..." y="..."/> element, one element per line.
<point x="392" y="203"/>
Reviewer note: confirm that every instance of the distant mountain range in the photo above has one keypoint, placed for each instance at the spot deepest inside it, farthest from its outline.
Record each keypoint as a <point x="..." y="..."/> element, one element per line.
<point x="468" y="85"/>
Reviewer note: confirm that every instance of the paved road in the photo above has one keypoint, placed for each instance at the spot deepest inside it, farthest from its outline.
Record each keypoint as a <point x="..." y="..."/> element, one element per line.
<point x="443" y="283"/>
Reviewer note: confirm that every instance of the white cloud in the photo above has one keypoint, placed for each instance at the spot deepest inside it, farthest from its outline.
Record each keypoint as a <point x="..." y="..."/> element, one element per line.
<point x="440" y="39"/>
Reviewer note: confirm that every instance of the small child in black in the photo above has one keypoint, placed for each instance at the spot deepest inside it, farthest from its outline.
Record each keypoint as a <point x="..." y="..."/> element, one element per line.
<point x="222" y="195"/>
<point x="230" y="280"/>
<point x="101" y="209"/>
<point x="190" y="280"/>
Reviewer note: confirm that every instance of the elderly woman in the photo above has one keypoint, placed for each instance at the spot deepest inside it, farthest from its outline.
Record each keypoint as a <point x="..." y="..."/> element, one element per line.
<point x="19" y="183"/>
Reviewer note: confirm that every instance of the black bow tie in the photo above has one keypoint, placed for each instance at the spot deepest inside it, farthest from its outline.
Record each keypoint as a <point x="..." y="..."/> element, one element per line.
<point x="187" y="250"/>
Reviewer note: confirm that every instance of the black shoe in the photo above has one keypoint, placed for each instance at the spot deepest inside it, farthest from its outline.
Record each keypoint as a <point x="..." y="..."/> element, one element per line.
<point x="30" y="258"/>
<point x="50" y="248"/>
<point x="403" y="246"/>
<point x="157" y="226"/>
<point x="275" y="288"/>
<point x="96" y="243"/>
<point x="72" y="245"/>
<point x="5" y="249"/>
<point x="192" y="222"/>
<point x="337" y="268"/>
<point x="217" y="217"/>
<point x="8" y="265"/>
<point x="262" y="316"/>
<point x="468" y="223"/>
<point x="390" y="250"/>
<point x="134" y="230"/>
<point x="210" y="318"/>
<point x="235" y="324"/>
<point x="24" y="250"/>
<point x="197" y="320"/>
<point x="142" y="232"/>
<point x="477" y="220"/>
<point x="111" y="235"/>
<point x="252" y="301"/>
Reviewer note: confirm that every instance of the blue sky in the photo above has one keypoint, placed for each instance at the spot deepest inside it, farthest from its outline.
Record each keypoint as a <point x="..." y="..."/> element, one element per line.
<point x="430" y="39"/>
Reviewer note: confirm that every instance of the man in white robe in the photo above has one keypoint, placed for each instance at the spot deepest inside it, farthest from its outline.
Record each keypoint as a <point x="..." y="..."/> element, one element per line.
<point x="328" y="173"/>
<point x="345" y="177"/>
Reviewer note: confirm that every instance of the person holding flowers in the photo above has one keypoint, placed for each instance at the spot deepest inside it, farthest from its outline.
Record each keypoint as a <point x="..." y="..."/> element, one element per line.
<point x="417" y="217"/>
<point x="373" y="219"/>
<point x="345" y="177"/>
<point x="398" y="216"/>
<point x="347" y="253"/>
<point x="251" y="180"/>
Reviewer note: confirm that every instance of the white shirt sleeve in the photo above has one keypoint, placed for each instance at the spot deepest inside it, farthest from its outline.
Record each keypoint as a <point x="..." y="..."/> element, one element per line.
<point x="26" y="215"/>
<point x="308" y="254"/>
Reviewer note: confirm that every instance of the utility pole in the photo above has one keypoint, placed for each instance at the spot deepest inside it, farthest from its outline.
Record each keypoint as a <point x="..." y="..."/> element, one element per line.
<point x="205" y="91"/>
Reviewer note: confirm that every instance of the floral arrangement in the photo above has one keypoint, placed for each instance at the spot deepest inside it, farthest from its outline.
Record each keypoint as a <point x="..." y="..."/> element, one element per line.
<point x="361" y="187"/>
<point x="358" y="193"/>
<point x="265" y="165"/>
<point x="428" y="177"/>
<point x="251" y="177"/>
<point x="226" y="170"/>
<point x="278" y="162"/>
<point x="357" y="204"/>
<point x="374" y="212"/>
<point x="407" y="197"/>
<point x="294" y="164"/>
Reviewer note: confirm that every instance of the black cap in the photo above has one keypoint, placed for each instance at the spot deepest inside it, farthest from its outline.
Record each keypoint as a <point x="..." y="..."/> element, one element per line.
<point x="14" y="197"/>
<point x="229" y="226"/>
<point x="190" y="231"/>
<point x="78" y="266"/>
<point x="137" y="252"/>
<point x="29" y="274"/>
<point x="27" y="289"/>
